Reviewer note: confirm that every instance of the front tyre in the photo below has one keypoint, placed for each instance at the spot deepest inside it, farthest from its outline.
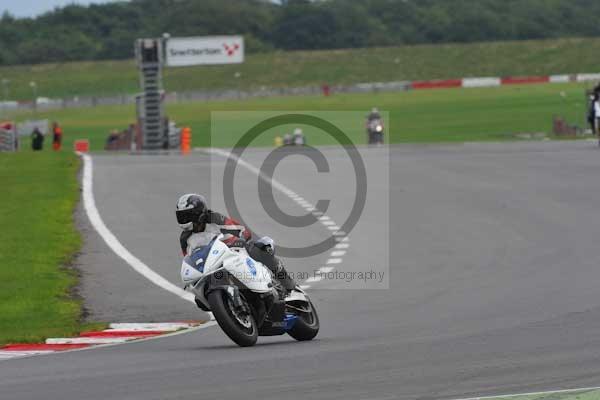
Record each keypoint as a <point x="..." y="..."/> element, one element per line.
<point x="306" y="326"/>
<point x="238" y="325"/>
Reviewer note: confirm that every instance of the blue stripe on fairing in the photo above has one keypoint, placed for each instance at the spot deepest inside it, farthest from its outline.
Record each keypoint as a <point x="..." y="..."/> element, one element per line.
<point x="198" y="257"/>
<point x="289" y="320"/>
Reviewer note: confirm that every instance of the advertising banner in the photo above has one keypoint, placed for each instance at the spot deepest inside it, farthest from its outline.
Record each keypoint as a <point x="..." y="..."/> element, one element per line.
<point x="206" y="50"/>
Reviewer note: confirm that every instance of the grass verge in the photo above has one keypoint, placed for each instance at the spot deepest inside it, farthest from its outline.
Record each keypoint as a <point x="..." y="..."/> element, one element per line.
<point x="39" y="240"/>
<point x="427" y="116"/>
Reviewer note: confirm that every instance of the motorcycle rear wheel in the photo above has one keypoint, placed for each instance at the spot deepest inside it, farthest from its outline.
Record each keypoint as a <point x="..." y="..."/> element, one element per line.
<point x="241" y="329"/>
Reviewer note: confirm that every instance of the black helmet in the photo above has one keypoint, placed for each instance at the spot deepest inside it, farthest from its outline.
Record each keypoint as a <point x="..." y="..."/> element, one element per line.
<point x="191" y="209"/>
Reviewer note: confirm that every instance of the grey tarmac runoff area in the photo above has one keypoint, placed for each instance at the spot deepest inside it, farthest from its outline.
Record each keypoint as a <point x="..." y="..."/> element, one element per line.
<point x="493" y="267"/>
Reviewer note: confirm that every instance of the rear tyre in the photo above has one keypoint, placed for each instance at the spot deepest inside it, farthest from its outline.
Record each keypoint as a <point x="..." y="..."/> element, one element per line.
<point x="306" y="326"/>
<point x="240" y="327"/>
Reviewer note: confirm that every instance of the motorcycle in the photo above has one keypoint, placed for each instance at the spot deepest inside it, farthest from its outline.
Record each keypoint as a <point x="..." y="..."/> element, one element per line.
<point x="375" y="131"/>
<point x="244" y="296"/>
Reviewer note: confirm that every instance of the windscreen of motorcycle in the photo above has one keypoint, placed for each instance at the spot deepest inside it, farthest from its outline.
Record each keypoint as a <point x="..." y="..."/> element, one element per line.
<point x="192" y="266"/>
<point x="204" y="260"/>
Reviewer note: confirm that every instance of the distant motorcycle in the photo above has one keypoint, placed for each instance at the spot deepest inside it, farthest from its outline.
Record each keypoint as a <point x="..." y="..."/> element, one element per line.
<point x="244" y="297"/>
<point x="375" y="131"/>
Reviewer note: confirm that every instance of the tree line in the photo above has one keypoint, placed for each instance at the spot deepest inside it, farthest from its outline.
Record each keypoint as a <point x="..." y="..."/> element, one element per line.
<point x="107" y="31"/>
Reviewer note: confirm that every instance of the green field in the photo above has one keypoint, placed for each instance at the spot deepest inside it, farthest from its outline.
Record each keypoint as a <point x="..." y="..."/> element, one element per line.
<point x="576" y="395"/>
<point x="449" y="115"/>
<point x="302" y="68"/>
<point x="39" y="241"/>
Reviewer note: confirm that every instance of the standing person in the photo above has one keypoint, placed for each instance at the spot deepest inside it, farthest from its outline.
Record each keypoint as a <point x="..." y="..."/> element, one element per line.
<point x="37" y="139"/>
<point x="594" y="111"/>
<point x="111" y="141"/>
<point x="596" y="106"/>
<point x="56" y="136"/>
<point x="591" y="116"/>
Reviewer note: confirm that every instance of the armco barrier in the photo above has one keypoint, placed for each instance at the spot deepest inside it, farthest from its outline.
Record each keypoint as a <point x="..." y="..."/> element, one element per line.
<point x="396" y="86"/>
<point x="437" y="84"/>
<point x="521" y="80"/>
<point x="561" y="78"/>
<point x="587" y="77"/>
<point x="481" y="82"/>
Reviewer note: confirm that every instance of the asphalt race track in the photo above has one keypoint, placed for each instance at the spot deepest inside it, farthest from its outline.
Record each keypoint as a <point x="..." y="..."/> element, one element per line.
<point x="492" y="253"/>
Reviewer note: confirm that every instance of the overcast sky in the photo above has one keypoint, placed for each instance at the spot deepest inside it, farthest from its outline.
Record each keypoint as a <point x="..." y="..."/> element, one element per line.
<point x="31" y="8"/>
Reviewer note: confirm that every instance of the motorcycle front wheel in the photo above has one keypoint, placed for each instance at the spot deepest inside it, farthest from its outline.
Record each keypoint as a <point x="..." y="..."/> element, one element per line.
<point x="240" y="327"/>
<point x="307" y="325"/>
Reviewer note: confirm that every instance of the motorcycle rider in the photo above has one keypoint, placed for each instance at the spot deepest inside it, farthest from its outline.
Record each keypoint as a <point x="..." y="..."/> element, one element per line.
<point x="374" y="114"/>
<point x="200" y="225"/>
<point x="374" y="118"/>
<point x="299" y="139"/>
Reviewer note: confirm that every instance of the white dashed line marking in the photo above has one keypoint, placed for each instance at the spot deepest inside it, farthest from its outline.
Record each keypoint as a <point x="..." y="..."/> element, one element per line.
<point x="334" y="261"/>
<point x="337" y="253"/>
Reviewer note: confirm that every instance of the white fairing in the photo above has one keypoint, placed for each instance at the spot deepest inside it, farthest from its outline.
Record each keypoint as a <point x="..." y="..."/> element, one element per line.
<point x="212" y="263"/>
<point x="254" y="275"/>
<point x="376" y="125"/>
